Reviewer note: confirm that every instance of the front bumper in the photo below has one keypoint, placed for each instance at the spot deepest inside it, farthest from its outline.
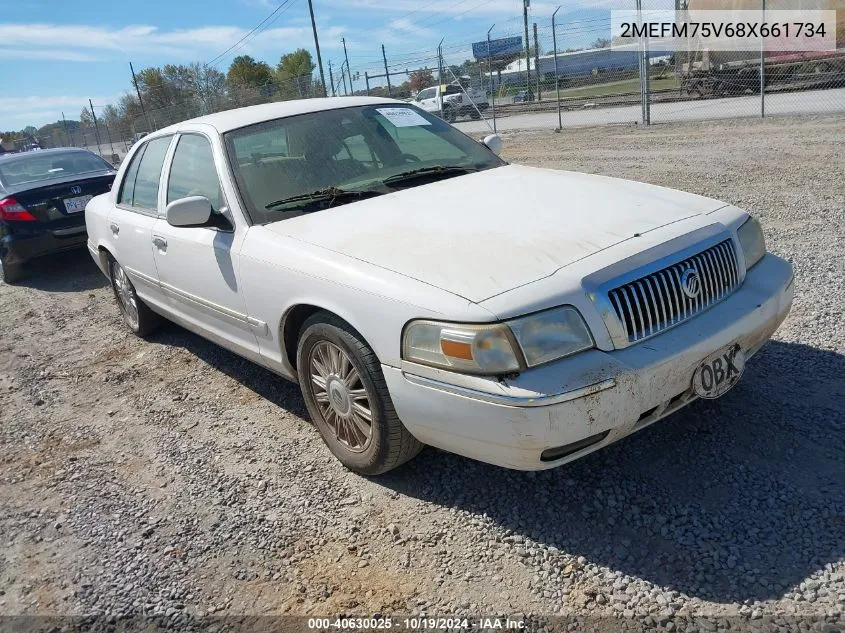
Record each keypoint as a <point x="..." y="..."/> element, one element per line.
<point x="579" y="404"/>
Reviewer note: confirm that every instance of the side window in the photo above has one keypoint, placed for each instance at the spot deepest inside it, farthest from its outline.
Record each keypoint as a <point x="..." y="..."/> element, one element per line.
<point x="428" y="93"/>
<point x="147" y="179"/>
<point x="192" y="172"/>
<point x="453" y="90"/>
<point x="127" y="189"/>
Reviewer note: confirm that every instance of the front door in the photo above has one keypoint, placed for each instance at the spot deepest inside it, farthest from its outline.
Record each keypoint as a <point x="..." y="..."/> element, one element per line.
<point x="198" y="267"/>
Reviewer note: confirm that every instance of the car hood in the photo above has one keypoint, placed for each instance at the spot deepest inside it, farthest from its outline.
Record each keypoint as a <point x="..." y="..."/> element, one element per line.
<point x="486" y="233"/>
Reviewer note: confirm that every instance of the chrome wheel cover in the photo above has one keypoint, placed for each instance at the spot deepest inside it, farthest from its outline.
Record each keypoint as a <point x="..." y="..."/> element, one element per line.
<point x="340" y="395"/>
<point x="126" y="295"/>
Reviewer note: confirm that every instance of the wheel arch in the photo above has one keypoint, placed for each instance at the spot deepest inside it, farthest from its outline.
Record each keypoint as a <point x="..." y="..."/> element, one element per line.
<point x="290" y="327"/>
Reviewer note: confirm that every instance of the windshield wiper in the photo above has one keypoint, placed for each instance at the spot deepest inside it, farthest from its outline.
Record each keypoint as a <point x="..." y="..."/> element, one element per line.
<point x="427" y="172"/>
<point x="330" y="195"/>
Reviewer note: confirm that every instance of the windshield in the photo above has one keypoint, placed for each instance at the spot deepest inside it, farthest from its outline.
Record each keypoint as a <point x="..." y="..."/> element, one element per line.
<point x="38" y="167"/>
<point x="346" y="149"/>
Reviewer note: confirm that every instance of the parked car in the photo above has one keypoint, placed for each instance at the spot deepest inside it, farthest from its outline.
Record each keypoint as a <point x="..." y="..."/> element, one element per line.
<point x="42" y="202"/>
<point x="423" y="291"/>
<point x="523" y="96"/>
<point x="457" y="101"/>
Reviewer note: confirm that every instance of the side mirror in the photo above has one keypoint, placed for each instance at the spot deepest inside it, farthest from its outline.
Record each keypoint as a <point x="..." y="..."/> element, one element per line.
<point x="493" y="143"/>
<point x="190" y="211"/>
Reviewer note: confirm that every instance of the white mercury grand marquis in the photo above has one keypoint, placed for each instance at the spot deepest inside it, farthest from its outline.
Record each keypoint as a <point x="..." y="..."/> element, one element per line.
<point x="423" y="291"/>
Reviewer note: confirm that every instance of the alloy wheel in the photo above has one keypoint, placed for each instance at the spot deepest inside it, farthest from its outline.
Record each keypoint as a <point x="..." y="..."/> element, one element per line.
<point x="125" y="294"/>
<point x="341" y="396"/>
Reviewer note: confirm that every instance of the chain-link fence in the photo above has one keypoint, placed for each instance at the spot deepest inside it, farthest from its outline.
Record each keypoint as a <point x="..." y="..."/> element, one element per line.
<point x="554" y="72"/>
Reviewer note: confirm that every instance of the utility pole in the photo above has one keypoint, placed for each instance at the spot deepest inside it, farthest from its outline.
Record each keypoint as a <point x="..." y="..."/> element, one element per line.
<point x="343" y="76"/>
<point x="386" y="72"/>
<point x="557" y="80"/>
<point x="331" y="78"/>
<point x="537" y="63"/>
<point x="492" y="87"/>
<point x="67" y="136"/>
<point x="440" y="76"/>
<point x="343" y="80"/>
<point x="140" y="100"/>
<point x="317" y="46"/>
<point x="367" y="80"/>
<point x="96" y="127"/>
<point x="525" y="4"/>
<point x="349" y="70"/>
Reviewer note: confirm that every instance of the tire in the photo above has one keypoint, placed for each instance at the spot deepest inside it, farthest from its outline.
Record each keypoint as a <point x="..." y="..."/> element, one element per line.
<point x="136" y="314"/>
<point x="343" y="385"/>
<point x="449" y="115"/>
<point x="11" y="273"/>
<point x="474" y="115"/>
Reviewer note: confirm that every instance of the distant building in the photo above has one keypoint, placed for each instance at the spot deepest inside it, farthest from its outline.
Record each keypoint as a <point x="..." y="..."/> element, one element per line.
<point x="577" y="64"/>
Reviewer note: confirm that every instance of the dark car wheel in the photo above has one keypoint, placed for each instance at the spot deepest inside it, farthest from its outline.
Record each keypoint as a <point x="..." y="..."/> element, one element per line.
<point x="136" y="314"/>
<point x="347" y="398"/>
<point x="11" y="272"/>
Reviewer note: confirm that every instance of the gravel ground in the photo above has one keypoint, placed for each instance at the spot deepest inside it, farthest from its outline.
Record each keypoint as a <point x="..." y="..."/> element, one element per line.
<point x="171" y="477"/>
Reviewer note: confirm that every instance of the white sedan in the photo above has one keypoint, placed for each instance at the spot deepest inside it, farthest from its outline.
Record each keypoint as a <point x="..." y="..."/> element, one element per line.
<point x="423" y="291"/>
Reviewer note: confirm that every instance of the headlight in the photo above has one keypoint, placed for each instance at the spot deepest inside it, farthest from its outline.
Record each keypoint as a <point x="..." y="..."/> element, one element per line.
<point x="547" y="336"/>
<point x="752" y="241"/>
<point x="498" y="348"/>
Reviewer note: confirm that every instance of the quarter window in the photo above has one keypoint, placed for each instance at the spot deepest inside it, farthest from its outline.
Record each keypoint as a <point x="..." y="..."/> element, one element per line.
<point x="192" y="172"/>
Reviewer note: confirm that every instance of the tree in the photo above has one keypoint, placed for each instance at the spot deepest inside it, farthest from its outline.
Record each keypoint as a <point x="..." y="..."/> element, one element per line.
<point x="421" y="79"/>
<point x="85" y="118"/>
<point x="244" y="72"/>
<point x="601" y="42"/>
<point x="296" y="68"/>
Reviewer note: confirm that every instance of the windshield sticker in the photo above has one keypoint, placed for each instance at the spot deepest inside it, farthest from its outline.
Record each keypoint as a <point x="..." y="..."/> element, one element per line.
<point x="402" y="117"/>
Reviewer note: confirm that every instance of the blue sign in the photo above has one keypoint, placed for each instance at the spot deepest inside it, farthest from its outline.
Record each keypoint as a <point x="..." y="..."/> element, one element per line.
<point x="498" y="48"/>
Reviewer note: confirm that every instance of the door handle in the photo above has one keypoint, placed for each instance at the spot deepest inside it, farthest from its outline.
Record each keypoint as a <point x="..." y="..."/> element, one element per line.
<point x="160" y="242"/>
<point x="115" y="229"/>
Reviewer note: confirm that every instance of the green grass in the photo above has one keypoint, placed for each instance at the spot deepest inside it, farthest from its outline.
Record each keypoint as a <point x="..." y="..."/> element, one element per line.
<point x="616" y="87"/>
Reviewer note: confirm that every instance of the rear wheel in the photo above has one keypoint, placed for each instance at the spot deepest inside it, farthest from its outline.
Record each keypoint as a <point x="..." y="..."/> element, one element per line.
<point x="136" y="314"/>
<point x="347" y="398"/>
<point x="449" y="114"/>
<point x="11" y="272"/>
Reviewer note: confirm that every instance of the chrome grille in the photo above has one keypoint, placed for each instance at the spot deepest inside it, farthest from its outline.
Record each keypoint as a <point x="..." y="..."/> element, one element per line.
<point x="656" y="302"/>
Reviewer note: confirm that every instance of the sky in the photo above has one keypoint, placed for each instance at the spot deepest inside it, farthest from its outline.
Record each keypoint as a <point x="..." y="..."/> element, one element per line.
<point x="55" y="55"/>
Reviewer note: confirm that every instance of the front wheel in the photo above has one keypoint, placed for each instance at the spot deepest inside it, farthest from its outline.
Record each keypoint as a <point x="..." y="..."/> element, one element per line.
<point x="137" y="316"/>
<point x="347" y="398"/>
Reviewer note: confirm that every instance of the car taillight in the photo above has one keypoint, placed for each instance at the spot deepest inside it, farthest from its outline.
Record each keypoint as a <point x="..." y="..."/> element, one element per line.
<point x="10" y="209"/>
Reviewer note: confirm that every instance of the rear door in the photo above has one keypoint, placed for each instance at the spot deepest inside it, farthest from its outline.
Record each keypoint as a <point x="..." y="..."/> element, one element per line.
<point x="199" y="267"/>
<point x="130" y="223"/>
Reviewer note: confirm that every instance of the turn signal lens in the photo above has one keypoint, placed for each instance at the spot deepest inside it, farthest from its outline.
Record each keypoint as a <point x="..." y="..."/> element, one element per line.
<point x="11" y="210"/>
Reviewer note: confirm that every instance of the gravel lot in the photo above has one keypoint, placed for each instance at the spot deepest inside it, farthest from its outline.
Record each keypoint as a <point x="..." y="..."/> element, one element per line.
<point x="171" y="477"/>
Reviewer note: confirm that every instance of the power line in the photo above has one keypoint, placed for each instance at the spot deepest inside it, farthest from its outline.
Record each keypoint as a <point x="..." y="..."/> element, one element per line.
<point x="250" y="33"/>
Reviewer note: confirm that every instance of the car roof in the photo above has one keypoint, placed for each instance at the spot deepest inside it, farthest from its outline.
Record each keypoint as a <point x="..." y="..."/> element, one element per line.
<point x="241" y="117"/>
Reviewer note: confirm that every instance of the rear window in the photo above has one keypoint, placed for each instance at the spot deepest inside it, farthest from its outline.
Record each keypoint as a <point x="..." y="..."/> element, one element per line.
<point x="38" y="167"/>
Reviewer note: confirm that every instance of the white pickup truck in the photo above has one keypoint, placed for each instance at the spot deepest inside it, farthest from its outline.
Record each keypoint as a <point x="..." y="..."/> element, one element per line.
<point x="457" y="101"/>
